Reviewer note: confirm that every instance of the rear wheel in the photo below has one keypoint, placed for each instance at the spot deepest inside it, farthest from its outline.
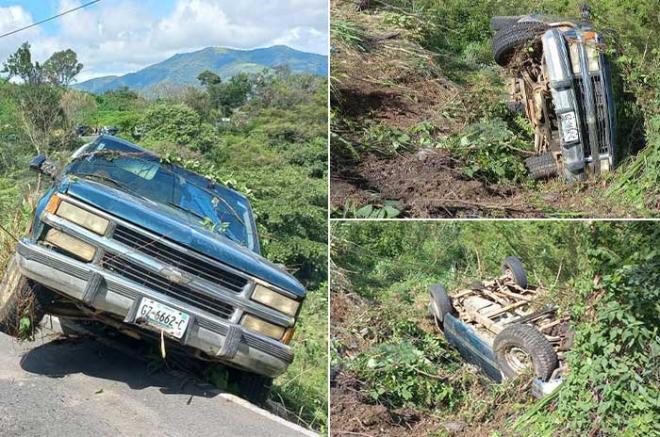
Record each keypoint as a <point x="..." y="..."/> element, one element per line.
<point x="509" y="39"/>
<point x="513" y="267"/>
<point x="498" y="22"/>
<point x="519" y="348"/>
<point x="20" y="304"/>
<point x="541" y="166"/>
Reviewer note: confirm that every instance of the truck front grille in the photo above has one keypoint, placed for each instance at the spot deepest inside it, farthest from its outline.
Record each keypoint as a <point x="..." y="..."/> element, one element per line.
<point x="603" y="138"/>
<point x="156" y="282"/>
<point x="180" y="260"/>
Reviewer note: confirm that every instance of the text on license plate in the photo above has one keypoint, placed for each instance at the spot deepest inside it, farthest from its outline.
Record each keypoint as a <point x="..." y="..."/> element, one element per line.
<point x="569" y="128"/>
<point x="162" y="317"/>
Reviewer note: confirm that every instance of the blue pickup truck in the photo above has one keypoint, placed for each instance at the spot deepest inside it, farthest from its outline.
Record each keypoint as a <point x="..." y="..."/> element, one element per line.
<point x="155" y="250"/>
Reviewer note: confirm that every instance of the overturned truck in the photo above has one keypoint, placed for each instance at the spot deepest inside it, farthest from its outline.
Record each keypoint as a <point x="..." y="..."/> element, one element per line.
<point x="561" y="79"/>
<point x="501" y="326"/>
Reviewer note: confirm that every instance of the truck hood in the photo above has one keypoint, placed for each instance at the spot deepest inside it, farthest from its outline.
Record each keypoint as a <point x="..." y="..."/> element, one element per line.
<point x="179" y="228"/>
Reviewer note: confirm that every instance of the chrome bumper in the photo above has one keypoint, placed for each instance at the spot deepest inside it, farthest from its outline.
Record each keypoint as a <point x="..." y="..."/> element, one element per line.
<point x="587" y="94"/>
<point x="102" y="290"/>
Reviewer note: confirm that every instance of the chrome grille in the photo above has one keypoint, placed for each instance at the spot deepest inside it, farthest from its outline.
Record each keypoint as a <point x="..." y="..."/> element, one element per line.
<point x="603" y="139"/>
<point x="180" y="260"/>
<point x="156" y="282"/>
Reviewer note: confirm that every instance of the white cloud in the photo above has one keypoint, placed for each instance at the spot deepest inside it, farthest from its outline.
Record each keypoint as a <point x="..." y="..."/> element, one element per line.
<point x="12" y="18"/>
<point x="123" y="36"/>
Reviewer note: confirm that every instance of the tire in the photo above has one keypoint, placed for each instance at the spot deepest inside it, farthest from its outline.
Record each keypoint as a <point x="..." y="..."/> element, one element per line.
<point x="19" y="298"/>
<point x="571" y="177"/>
<point x="515" y="267"/>
<point x="518" y="341"/>
<point x="255" y="388"/>
<point x="541" y="166"/>
<point x="440" y="303"/>
<point x="477" y="286"/>
<point x="502" y="21"/>
<point x="509" y="39"/>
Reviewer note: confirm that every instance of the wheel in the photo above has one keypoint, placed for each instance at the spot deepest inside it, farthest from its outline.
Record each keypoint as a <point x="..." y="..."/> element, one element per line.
<point x="513" y="266"/>
<point x="19" y="301"/>
<point x="255" y="388"/>
<point x="499" y="22"/>
<point x="509" y="39"/>
<point x="541" y="166"/>
<point x="440" y="303"/>
<point x="572" y="177"/>
<point x="519" y="347"/>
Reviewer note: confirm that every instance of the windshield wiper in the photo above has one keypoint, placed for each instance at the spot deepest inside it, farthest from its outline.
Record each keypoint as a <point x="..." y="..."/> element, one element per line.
<point x="181" y="208"/>
<point x="114" y="182"/>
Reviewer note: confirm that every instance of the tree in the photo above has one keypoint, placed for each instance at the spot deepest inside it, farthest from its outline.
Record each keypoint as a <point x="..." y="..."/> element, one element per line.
<point x="38" y="108"/>
<point x="209" y="78"/>
<point x="62" y="67"/>
<point x="19" y="64"/>
<point x="76" y="106"/>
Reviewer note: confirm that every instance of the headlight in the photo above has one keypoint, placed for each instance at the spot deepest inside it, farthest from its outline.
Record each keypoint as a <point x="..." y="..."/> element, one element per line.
<point x="275" y="300"/>
<point x="263" y="327"/>
<point x="66" y="242"/>
<point x="575" y="57"/>
<point x="82" y="217"/>
<point x="592" y="58"/>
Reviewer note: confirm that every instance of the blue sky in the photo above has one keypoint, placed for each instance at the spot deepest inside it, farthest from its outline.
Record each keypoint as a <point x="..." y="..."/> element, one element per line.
<point x="120" y="36"/>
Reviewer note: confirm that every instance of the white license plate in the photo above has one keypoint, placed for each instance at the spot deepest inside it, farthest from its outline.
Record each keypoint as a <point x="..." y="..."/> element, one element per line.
<point x="569" y="128"/>
<point x="162" y="317"/>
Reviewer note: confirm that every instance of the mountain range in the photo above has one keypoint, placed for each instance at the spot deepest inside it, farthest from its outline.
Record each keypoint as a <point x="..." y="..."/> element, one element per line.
<point x="182" y="69"/>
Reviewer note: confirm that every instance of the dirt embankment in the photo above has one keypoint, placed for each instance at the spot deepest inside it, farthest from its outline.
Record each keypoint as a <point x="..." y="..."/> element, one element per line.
<point x="352" y="412"/>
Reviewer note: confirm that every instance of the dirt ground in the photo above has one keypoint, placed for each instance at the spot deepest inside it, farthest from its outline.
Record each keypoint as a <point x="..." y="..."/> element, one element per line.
<point x="429" y="183"/>
<point x="351" y="411"/>
<point x="394" y="81"/>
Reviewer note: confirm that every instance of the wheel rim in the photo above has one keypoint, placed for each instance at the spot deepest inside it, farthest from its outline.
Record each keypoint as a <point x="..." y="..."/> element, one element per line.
<point x="517" y="359"/>
<point x="508" y="274"/>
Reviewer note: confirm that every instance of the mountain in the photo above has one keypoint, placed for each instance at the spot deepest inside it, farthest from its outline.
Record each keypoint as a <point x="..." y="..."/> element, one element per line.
<point x="182" y="69"/>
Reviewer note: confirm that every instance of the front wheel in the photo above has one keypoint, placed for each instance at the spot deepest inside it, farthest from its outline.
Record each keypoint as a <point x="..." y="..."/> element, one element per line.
<point x="20" y="307"/>
<point x="521" y="347"/>
<point x="255" y="388"/>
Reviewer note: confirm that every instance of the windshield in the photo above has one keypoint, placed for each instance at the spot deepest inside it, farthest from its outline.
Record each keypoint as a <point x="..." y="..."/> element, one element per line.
<point x="143" y="174"/>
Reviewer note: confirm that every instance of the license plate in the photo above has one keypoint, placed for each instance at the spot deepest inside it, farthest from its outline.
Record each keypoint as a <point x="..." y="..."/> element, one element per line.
<point x="162" y="317"/>
<point x="569" y="129"/>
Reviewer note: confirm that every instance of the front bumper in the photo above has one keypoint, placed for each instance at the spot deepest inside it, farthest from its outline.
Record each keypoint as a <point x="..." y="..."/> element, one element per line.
<point x="585" y="92"/>
<point x="112" y="294"/>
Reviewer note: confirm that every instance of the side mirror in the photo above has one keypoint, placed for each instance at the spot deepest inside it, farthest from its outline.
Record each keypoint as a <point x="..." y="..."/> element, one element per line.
<point x="44" y="165"/>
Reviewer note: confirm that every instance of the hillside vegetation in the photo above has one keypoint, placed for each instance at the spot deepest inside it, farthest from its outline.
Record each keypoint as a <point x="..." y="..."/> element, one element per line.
<point x="263" y="134"/>
<point x="394" y="373"/>
<point x="420" y="126"/>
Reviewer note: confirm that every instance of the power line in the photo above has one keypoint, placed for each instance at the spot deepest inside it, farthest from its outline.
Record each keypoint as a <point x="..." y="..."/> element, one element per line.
<point x="48" y="19"/>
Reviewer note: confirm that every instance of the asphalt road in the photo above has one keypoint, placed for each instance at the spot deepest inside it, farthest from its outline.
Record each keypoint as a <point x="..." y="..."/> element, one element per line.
<point x="80" y="387"/>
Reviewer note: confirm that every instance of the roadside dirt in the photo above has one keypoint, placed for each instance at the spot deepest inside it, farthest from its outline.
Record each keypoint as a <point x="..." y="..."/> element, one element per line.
<point x="351" y="411"/>
<point x="429" y="183"/>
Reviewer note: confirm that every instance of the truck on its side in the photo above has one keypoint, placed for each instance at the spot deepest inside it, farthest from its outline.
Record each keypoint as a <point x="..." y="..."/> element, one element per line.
<point x="154" y="250"/>
<point x="561" y="79"/>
